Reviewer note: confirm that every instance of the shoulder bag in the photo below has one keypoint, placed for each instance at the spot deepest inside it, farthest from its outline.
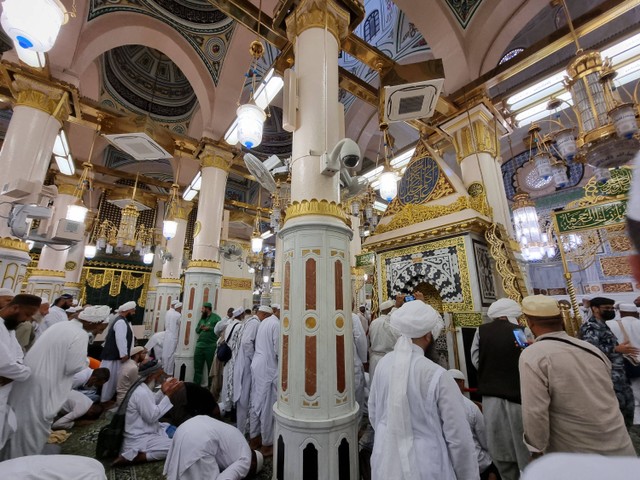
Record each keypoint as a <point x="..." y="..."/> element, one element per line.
<point x="223" y="352"/>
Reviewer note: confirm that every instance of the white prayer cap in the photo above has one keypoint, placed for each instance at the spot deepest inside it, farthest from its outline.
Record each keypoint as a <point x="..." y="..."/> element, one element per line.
<point x="44" y="299"/>
<point x="265" y="309"/>
<point x="7" y="292"/>
<point x="176" y="304"/>
<point x="95" y="313"/>
<point x="387" y="305"/>
<point x="238" y="311"/>
<point x="275" y="306"/>
<point x="127" y="306"/>
<point x="173" y="303"/>
<point x="587" y="298"/>
<point x="456" y="374"/>
<point x="505" y="307"/>
<point x="74" y="302"/>
<point x="136" y="350"/>
<point x="416" y="319"/>
<point x="73" y="310"/>
<point x="628" y="307"/>
<point x="259" y="461"/>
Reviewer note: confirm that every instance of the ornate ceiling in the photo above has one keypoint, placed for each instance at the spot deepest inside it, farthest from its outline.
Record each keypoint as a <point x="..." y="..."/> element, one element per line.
<point x="463" y="10"/>
<point x="207" y="29"/>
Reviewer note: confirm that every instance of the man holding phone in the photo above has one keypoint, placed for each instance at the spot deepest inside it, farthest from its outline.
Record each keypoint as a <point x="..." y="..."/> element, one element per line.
<point x="495" y="353"/>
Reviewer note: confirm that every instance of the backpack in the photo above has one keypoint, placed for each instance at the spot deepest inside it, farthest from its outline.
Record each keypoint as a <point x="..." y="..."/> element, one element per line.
<point x="223" y="352"/>
<point x="111" y="436"/>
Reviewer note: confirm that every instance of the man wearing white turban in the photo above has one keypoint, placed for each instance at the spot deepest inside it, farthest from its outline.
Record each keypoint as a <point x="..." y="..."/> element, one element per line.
<point x="415" y="408"/>
<point x="495" y="354"/>
<point x="117" y="348"/>
<point x="172" y="333"/>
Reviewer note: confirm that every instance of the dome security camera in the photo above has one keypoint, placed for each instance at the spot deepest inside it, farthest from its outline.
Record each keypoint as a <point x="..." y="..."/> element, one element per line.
<point x="346" y="154"/>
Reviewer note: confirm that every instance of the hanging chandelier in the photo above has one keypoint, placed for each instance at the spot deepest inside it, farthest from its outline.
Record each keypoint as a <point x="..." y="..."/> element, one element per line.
<point x="606" y="132"/>
<point x="169" y="224"/>
<point x="388" y="185"/>
<point x="256" y="240"/>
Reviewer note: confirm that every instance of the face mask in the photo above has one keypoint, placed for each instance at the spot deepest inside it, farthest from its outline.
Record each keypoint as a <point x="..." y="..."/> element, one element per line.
<point x="608" y="315"/>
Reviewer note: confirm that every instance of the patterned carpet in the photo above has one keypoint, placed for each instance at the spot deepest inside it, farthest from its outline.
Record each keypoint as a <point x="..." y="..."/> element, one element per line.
<point x="83" y="442"/>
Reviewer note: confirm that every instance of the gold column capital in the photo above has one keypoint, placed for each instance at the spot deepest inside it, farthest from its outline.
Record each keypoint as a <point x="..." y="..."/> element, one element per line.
<point x="319" y="14"/>
<point x="42" y="96"/>
<point x="216" y="157"/>
<point x="474" y="131"/>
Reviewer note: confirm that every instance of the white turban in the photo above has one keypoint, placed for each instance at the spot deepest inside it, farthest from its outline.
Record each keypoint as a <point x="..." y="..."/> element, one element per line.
<point x="275" y="306"/>
<point x="127" y="306"/>
<point x="387" y="305"/>
<point x="95" y="314"/>
<point x="173" y="302"/>
<point x="628" y="308"/>
<point x="176" y="304"/>
<point x="7" y="292"/>
<point x="238" y="311"/>
<point x="44" y="300"/>
<point x="505" y="307"/>
<point x="413" y="319"/>
<point x="265" y="309"/>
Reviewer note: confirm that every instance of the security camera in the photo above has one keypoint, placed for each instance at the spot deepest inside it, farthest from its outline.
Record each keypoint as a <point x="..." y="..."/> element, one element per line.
<point x="346" y="154"/>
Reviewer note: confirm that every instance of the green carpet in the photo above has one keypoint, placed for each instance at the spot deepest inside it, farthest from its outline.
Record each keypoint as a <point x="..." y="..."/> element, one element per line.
<point x="83" y="442"/>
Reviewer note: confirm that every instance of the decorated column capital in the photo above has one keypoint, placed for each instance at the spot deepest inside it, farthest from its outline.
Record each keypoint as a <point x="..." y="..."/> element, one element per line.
<point x="319" y="14"/>
<point x="216" y="157"/>
<point x="475" y="131"/>
<point x="41" y="96"/>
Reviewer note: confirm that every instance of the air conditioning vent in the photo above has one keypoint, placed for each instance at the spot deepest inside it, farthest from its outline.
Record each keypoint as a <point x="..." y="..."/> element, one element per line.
<point x="122" y="203"/>
<point x="139" y="145"/>
<point x="411" y="101"/>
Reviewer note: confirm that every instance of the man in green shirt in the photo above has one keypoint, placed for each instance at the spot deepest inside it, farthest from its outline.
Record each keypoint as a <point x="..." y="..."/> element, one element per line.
<point x="206" y="344"/>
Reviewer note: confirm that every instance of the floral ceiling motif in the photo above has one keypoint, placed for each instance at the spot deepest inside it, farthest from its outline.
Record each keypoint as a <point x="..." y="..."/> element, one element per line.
<point x="463" y="10"/>
<point x="207" y="29"/>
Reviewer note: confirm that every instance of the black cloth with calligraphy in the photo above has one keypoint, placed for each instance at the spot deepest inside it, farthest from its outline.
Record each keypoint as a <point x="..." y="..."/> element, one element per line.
<point x="599" y="335"/>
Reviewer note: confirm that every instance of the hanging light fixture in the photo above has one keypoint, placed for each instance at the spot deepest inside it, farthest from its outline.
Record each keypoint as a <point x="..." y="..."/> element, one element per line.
<point x="34" y="25"/>
<point x="77" y="212"/>
<point x="543" y="159"/>
<point x="148" y="257"/>
<point x="169" y="224"/>
<point x="388" y="179"/>
<point x="90" y="251"/>
<point x="251" y="117"/>
<point x="607" y="126"/>
<point x="559" y="173"/>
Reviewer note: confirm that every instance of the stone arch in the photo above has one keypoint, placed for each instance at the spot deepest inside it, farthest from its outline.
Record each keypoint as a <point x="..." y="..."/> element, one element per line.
<point x="126" y="28"/>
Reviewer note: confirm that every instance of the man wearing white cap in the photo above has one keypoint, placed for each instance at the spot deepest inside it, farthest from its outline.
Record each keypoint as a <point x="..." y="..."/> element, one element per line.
<point x="415" y="408"/>
<point x="627" y="329"/>
<point x="117" y="348"/>
<point x="495" y="355"/>
<point x="585" y="308"/>
<point x="382" y="336"/>
<point x="231" y="337"/>
<point x="128" y="373"/>
<point x="568" y="401"/>
<point x="54" y="359"/>
<point x="204" y="447"/>
<point x="38" y="318"/>
<point x="264" y="387"/>
<point x="155" y="344"/>
<point x="172" y="329"/>
<point x="242" y="366"/>
<point x="6" y="295"/>
<point x="57" y="311"/>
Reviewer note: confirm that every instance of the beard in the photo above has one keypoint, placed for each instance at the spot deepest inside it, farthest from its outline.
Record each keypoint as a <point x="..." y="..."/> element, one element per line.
<point x="11" y="322"/>
<point x="152" y="384"/>
<point x="431" y="353"/>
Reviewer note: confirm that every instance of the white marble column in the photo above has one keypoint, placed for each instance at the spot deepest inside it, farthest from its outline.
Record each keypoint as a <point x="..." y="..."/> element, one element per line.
<point x="203" y="275"/>
<point x="25" y="155"/>
<point x="151" y="318"/>
<point x="50" y="276"/>
<point x="276" y="286"/>
<point x="316" y="432"/>
<point x="169" y="285"/>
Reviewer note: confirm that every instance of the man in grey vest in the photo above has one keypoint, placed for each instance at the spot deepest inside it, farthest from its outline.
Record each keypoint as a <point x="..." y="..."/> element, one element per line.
<point x="117" y="348"/>
<point x="495" y="354"/>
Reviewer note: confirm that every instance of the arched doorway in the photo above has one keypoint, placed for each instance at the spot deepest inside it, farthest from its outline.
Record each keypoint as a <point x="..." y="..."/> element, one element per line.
<point x="432" y="297"/>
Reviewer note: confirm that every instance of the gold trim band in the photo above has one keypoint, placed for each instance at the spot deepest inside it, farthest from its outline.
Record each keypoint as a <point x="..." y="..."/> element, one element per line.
<point x="316" y="207"/>
<point x="203" y="264"/>
<point x="169" y="280"/>
<point x="13" y="244"/>
<point x="72" y="285"/>
<point x="47" y="273"/>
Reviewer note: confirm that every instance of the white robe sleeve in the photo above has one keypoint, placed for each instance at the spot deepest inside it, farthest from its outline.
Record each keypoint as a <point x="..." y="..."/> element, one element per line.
<point x="456" y="429"/>
<point x="275" y="339"/>
<point x="77" y="354"/>
<point x="238" y="469"/>
<point x="150" y="411"/>
<point x="479" y="427"/>
<point x="11" y="366"/>
<point x="360" y="340"/>
<point x="120" y="329"/>
<point x="475" y="349"/>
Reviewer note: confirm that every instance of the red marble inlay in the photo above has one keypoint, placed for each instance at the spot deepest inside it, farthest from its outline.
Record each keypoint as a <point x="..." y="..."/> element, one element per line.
<point x="168" y="302"/>
<point x="310" y="360"/>
<point x="187" y="333"/>
<point x="340" y="368"/>
<point x="215" y="304"/>
<point x="159" y="303"/>
<point x="285" y="362"/>
<point x="310" y="284"/>
<point x="205" y="295"/>
<point x="192" y="296"/>
<point x="287" y="284"/>
<point x="339" y="293"/>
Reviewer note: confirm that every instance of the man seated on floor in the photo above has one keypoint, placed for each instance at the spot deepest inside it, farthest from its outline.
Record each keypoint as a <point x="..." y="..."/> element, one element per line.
<point x="88" y="380"/>
<point x="145" y="437"/>
<point x="205" y="447"/>
<point x="128" y="373"/>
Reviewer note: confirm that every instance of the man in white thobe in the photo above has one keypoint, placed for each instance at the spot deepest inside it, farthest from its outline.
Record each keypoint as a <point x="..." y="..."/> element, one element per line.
<point x="360" y="345"/>
<point x="627" y="329"/>
<point x="206" y="448"/>
<point x="415" y="408"/>
<point x="171" y="336"/>
<point x="382" y="336"/>
<point x="264" y="375"/>
<point x="12" y="367"/>
<point x="145" y="437"/>
<point x="75" y="406"/>
<point x="155" y="344"/>
<point x="57" y="312"/>
<point x="38" y="318"/>
<point x="231" y="335"/>
<point x="52" y="467"/>
<point x="242" y="367"/>
<point x="117" y="348"/>
<point x="128" y="373"/>
<point x="54" y="359"/>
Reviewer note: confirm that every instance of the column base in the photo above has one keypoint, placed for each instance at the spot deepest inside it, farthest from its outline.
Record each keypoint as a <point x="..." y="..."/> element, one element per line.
<point x="201" y="285"/>
<point x="14" y="258"/>
<point x="49" y="283"/>
<point x="319" y="449"/>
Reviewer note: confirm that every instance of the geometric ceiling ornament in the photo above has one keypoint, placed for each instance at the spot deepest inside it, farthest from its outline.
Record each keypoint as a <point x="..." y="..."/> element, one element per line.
<point x="206" y="28"/>
<point x="463" y="10"/>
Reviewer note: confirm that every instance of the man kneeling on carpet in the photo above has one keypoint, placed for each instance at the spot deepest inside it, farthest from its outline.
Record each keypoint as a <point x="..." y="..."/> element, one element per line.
<point x="205" y="447"/>
<point x="145" y="437"/>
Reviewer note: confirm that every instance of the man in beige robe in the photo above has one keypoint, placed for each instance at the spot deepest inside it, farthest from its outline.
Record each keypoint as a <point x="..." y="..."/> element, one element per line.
<point x="568" y="402"/>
